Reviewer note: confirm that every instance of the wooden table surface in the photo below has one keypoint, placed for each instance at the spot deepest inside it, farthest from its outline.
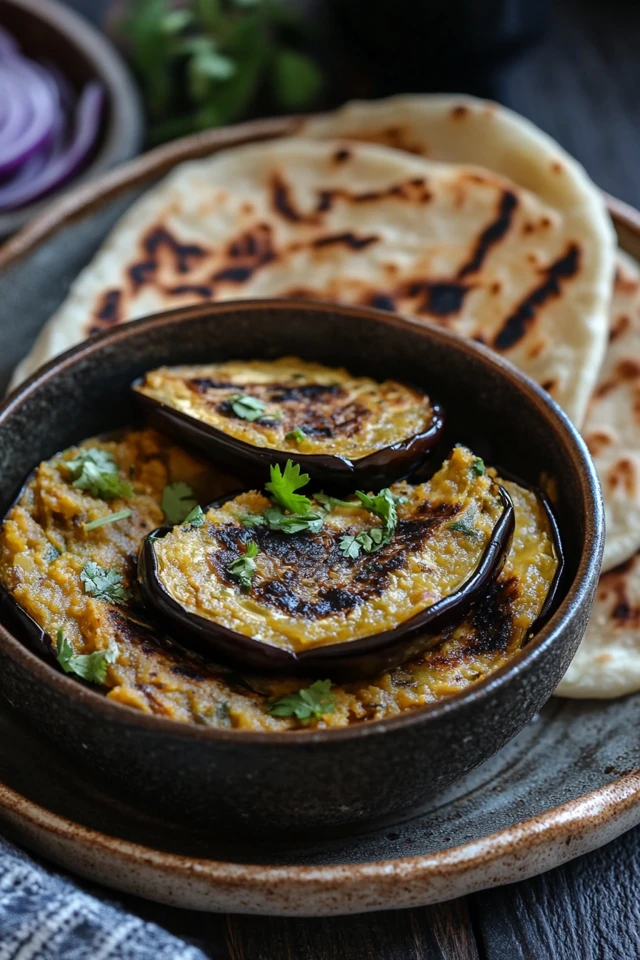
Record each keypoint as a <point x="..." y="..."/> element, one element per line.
<point x="581" y="85"/>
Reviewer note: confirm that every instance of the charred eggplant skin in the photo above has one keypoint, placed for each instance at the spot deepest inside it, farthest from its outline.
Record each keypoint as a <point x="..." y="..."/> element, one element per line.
<point x="245" y="460"/>
<point x="345" y="661"/>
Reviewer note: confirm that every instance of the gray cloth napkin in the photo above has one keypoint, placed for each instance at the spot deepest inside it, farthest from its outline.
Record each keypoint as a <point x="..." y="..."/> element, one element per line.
<point x="44" y="916"/>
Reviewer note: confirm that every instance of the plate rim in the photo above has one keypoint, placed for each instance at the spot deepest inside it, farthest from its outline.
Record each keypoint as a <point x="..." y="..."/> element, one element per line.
<point x="515" y="853"/>
<point x="522" y="850"/>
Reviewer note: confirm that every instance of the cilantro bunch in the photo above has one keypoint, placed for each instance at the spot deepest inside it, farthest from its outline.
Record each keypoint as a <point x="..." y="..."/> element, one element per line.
<point x="203" y="63"/>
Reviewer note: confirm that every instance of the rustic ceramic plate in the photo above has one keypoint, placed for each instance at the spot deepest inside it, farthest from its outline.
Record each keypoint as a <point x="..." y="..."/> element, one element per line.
<point x="567" y="784"/>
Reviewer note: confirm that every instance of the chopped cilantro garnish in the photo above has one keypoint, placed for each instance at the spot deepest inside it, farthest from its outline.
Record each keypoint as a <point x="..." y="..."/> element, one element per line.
<point x="250" y="408"/>
<point x="298" y="435"/>
<point x="243" y="568"/>
<point x="307" y="704"/>
<point x="195" y="517"/>
<point x="178" y="502"/>
<point x="110" y="518"/>
<point x="282" y="487"/>
<point x="328" y="502"/>
<point x="367" y="540"/>
<point x="277" y="519"/>
<point x="96" y="471"/>
<point x="478" y="467"/>
<point x="88" y="666"/>
<point x="252" y="520"/>
<point x="383" y="506"/>
<point x="464" y="525"/>
<point x="104" y="584"/>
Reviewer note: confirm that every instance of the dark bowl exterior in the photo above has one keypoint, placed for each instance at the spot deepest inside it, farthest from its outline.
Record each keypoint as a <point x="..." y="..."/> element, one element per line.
<point x="334" y="473"/>
<point x="309" y="780"/>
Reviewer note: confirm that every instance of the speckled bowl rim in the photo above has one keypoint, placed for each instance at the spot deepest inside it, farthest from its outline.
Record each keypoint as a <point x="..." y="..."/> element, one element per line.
<point x="508" y="855"/>
<point x="579" y="589"/>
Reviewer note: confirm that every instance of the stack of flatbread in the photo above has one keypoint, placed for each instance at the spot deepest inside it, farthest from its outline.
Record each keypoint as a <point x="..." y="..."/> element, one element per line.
<point x="450" y="209"/>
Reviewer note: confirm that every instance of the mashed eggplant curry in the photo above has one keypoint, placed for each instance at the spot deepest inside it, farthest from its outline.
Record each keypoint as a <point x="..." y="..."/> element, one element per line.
<point x="293" y="405"/>
<point x="68" y="552"/>
<point x="359" y="567"/>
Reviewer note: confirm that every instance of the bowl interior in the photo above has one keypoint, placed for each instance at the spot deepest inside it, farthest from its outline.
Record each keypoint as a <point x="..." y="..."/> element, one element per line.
<point x="488" y="405"/>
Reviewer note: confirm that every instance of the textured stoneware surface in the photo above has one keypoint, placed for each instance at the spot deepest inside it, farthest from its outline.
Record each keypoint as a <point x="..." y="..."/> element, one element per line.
<point x="261" y="781"/>
<point x="500" y="823"/>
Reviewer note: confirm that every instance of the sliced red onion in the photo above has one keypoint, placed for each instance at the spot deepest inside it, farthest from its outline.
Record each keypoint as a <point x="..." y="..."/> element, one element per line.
<point x="68" y="161"/>
<point x="25" y="80"/>
<point x="46" y="132"/>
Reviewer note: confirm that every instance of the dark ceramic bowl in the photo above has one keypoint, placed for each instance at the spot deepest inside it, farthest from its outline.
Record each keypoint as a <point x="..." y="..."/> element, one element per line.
<point x="50" y="31"/>
<point x="309" y="779"/>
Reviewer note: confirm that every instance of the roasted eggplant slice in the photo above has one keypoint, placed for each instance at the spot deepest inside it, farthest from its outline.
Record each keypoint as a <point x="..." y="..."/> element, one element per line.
<point x="363" y="586"/>
<point x="341" y="429"/>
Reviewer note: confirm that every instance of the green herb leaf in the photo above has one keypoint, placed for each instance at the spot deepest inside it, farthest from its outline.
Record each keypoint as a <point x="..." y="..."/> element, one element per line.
<point x="104" y="584"/>
<point x="88" y="666"/>
<point x="276" y="519"/>
<point x="464" y="526"/>
<point x="252" y="520"/>
<point x="282" y="487"/>
<point x="298" y="435"/>
<point x="96" y="471"/>
<point x="478" y="467"/>
<point x="297" y="79"/>
<point x="246" y="407"/>
<point x="329" y="502"/>
<point x="308" y="704"/>
<point x="195" y="517"/>
<point x="178" y="502"/>
<point x="110" y="518"/>
<point x="367" y="540"/>
<point x="384" y="507"/>
<point x="244" y="568"/>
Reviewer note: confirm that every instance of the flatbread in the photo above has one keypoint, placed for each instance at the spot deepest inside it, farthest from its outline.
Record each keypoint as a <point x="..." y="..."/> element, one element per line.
<point x="359" y="223"/>
<point x="607" y="663"/>
<point x="612" y="426"/>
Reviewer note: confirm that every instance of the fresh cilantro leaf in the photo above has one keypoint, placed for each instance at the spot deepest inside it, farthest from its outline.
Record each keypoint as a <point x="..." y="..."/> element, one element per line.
<point x="464" y="525"/>
<point x="110" y="518"/>
<point x="178" y="502"/>
<point x="250" y="408"/>
<point x="478" y="467"/>
<point x="252" y="520"/>
<point x="195" y="517"/>
<point x="383" y="506"/>
<point x="244" y="568"/>
<point x="104" y="584"/>
<point x="96" y="471"/>
<point x="276" y="519"/>
<point x="88" y="666"/>
<point x="368" y="540"/>
<point x="298" y="435"/>
<point x="349" y="547"/>
<point x="329" y="502"/>
<point x="282" y="487"/>
<point x="307" y="704"/>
